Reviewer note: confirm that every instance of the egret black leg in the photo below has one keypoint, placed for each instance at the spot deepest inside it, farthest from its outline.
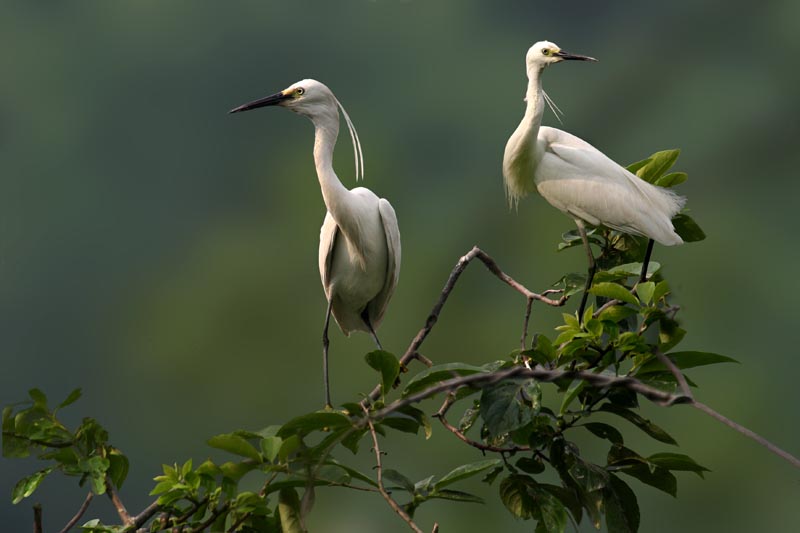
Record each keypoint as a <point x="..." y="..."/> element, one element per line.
<point x="592" y="268"/>
<point x="646" y="262"/>
<point x="365" y="318"/>
<point x="325" y="356"/>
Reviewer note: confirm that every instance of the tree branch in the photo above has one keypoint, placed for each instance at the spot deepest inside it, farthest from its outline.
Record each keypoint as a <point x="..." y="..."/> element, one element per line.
<point x="440" y="414"/>
<point x="118" y="505"/>
<point x="476" y="253"/>
<point x="379" y="469"/>
<point x="37" y="518"/>
<point x="79" y="514"/>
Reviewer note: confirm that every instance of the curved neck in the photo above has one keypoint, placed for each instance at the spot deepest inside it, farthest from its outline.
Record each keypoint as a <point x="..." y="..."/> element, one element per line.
<point x="333" y="192"/>
<point x="535" y="103"/>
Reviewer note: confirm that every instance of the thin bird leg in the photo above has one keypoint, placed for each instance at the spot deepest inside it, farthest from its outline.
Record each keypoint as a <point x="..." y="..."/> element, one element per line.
<point x="646" y="262"/>
<point x="325" y="356"/>
<point x="592" y="267"/>
<point x="365" y="318"/>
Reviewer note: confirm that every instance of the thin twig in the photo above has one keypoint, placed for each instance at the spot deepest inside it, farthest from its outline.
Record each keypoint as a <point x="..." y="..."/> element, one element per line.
<point x="118" y="505"/>
<point x="794" y="461"/>
<point x="37" y="518"/>
<point x="440" y="414"/>
<point x="524" y="337"/>
<point x="379" y="469"/>
<point x="667" y="362"/>
<point x="433" y="317"/>
<point x="79" y="514"/>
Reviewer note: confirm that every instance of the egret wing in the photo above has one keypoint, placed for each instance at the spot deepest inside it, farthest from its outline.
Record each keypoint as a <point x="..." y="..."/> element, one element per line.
<point x="377" y="307"/>
<point x="577" y="178"/>
<point x="327" y="240"/>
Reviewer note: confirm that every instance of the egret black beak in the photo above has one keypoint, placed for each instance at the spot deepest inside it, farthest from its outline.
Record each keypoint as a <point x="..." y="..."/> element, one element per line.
<point x="567" y="56"/>
<point x="273" y="99"/>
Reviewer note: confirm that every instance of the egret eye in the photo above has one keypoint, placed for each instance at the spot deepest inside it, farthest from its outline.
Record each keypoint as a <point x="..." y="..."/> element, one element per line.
<point x="300" y="91"/>
<point x="546" y="51"/>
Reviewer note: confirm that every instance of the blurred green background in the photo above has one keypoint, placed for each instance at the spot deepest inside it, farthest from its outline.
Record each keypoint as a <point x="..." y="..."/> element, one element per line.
<point x="162" y="254"/>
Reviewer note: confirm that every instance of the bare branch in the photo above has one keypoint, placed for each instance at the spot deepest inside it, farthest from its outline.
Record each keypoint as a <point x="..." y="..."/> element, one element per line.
<point x="440" y="414"/>
<point x="79" y="514"/>
<point x="37" y="518"/>
<point x="667" y="362"/>
<point x="433" y="317"/>
<point x="791" y="459"/>
<point x="118" y="505"/>
<point x="379" y="469"/>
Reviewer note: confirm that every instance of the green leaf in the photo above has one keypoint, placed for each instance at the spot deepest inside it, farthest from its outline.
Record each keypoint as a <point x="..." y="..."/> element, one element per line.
<point x="678" y="462"/>
<point x="687" y="228"/>
<point x="236" y="445"/>
<point x="622" y="509"/>
<point x="604" y="431"/>
<point x="661" y="290"/>
<point x="669" y="334"/>
<point x="642" y="423"/>
<point x="634" y="167"/>
<point x="623" y="460"/>
<point x="289" y="511"/>
<point x="504" y="405"/>
<point x="400" y="422"/>
<point x="70" y="399"/>
<point x="516" y="497"/>
<point x="684" y="360"/>
<point x="39" y="398"/>
<point x="27" y="485"/>
<point x="614" y="291"/>
<point x="645" y="291"/>
<point x="531" y="465"/>
<point x="465" y="471"/>
<point x="657" y="164"/>
<point x="672" y="179"/>
<point x="635" y="269"/>
<point x="399" y="479"/>
<point x="550" y="512"/>
<point x="615" y="313"/>
<point x="289" y="446"/>
<point x="456" y="496"/>
<point x="318" y="421"/>
<point x="568" y="497"/>
<point x="435" y="374"/>
<point x="118" y="466"/>
<point x="387" y="364"/>
<point x="574" y="389"/>
<point x="270" y="447"/>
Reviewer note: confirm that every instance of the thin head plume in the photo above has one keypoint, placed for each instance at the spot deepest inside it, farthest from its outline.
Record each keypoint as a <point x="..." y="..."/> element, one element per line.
<point x="553" y="107"/>
<point x="359" y="156"/>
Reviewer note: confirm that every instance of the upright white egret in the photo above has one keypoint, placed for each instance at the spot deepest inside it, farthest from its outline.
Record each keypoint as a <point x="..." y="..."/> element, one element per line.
<point x="359" y="243"/>
<point x="577" y="178"/>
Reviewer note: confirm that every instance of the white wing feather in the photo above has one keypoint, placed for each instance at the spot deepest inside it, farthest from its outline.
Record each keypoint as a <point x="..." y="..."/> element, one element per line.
<point x="578" y="179"/>
<point x="377" y="307"/>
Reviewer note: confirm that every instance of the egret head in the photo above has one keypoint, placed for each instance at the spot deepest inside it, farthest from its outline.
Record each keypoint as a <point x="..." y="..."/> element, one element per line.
<point x="545" y="53"/>
<point x="314" y="100"/>
<point x="309" y="98"/>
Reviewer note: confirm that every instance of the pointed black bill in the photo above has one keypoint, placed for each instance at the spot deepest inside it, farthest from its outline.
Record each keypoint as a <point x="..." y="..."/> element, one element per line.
<point x="567" y="56"/>
<point x="272" y="99"/>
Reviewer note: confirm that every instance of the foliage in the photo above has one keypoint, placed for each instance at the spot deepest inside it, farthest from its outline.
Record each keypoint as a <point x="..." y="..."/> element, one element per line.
<point x="504" y="414"/>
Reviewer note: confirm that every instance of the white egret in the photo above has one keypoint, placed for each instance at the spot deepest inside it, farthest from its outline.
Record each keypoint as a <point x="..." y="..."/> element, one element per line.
<point x="359" y="244"/>
<point x="578" y="179"/>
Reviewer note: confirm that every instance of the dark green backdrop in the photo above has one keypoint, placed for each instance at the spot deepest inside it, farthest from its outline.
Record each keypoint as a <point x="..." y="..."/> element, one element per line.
<point x="162" y="254"/>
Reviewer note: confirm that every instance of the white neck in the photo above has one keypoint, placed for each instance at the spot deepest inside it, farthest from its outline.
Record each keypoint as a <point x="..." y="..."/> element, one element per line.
<point x="333" y="192"/>
<point x="534" y="103"/>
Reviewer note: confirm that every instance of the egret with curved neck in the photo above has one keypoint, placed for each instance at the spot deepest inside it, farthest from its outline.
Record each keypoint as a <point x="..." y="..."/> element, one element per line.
<point x="578" y="179"/>
<point x="359" y="248"/>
